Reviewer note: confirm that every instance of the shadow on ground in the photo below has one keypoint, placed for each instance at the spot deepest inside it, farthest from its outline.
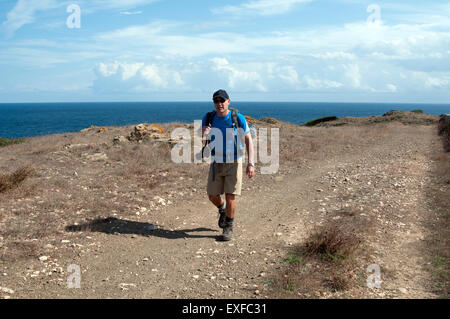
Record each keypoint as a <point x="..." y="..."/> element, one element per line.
<point x="112" y="225"/>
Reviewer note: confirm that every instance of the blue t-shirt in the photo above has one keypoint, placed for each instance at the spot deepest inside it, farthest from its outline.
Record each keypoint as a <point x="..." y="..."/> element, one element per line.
<point x="232" y="147"/>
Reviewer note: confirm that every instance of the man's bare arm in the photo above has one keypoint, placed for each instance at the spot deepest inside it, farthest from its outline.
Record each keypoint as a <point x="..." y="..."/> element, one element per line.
<point x="250" y="170"/>
<point x="249" y="147"/>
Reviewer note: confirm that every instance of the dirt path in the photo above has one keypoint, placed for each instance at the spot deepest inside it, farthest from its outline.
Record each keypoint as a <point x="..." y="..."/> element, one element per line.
<point x="183" y="259"/>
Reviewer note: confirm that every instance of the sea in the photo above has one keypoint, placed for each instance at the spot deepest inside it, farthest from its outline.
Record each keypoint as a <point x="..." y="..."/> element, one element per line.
<point x="35" y="119"/>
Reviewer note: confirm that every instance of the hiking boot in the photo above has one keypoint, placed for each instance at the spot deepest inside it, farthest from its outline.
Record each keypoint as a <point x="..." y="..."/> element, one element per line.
<point x="222" y="217"/>
<point x="227" y="231"/>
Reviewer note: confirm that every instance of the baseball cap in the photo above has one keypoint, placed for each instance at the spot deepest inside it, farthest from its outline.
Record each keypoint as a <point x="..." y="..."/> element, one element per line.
<point x="221" y="93"/>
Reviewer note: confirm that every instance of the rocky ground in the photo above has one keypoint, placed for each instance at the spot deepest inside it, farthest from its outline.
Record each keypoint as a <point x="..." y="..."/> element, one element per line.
<point x="136" y="225"/>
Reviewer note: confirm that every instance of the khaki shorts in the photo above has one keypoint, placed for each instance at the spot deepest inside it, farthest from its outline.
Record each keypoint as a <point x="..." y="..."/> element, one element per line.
<point x="228" y="179"/>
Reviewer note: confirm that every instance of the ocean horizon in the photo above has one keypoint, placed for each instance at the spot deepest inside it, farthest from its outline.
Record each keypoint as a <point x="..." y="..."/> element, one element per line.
<point x="35" y="119"/>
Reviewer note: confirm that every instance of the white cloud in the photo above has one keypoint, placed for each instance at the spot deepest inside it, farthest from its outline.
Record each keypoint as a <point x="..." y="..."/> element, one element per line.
<point x="353" y="74"/>
<point x="91" y="6"/>
<point x="289" y="74"/>
<point x="181" y="56"/>
<point x="166" y="75"/>
<point x="117" y="4"/>
<point x="131" y="77"/>
<point x="142" y="34"/>
<point x="437" y="82"/>
<point x="237" y="76"/>
<point x="107" y="70"/>
<point x="151" y="73"/>
<point x="334" y="55"/>
<point x="131" y="12"/>
<point x="24" y="13"/>
<point x="126" y="70"/>
<point x="391" y="87"/>
<point x="348" y="42"/>
<point x="260" y="7"/>
<point x="317" y="84"/>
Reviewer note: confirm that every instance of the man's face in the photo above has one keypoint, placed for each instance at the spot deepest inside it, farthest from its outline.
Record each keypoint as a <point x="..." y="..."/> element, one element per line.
<point x="221" y="106"/>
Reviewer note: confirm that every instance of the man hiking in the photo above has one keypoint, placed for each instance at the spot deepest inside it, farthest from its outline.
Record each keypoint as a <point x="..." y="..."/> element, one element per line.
<point x="227" y="130"/>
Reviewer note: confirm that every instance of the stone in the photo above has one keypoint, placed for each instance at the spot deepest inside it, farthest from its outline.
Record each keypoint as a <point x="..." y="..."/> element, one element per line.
<point x="6" y="290"/>
<point x="125" y="286"/>
<point x="403" y="290"/>
<point x="97" y="129"/>
<point x="75" y="146"/>
<point x="119" y="139"/>
<point x="147" y="132"/>
<point x="97" y="157"/>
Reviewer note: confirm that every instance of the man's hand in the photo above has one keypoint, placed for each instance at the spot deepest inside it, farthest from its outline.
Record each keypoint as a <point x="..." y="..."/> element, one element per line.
<point x="249" y="145"/>
<point x="206" y="130"/>
<point x="250" y="171"/>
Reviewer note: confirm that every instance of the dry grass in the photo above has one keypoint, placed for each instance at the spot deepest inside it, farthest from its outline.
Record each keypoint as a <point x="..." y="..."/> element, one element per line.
<point x="14" y="179"/>
<point x="444" y="132"/>
<point x="68" y="187"/>
<point x="19" y="250"/>
<point x="298" y="143"/>
<point x="332" y="242"/>
<point x="437" y="243"/>
<point x="326" y="261"/>
<point x="405" y="117"/>
<point x="446" y="141"/>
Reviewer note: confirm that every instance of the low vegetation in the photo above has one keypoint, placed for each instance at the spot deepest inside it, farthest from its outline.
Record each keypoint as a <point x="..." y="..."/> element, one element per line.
<point x="436" y="245"/>
<point x="7" y="141"/>
<point x="444" y="131"/>
<point x="321" y="120"/>
<point x="332" y="243"/>
<point x="74" y="187"/>
<point x="14" y="179"/>
<point x="326" y="261"/>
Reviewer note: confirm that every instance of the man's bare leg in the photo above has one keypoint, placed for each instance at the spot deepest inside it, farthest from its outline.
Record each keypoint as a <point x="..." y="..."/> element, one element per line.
<point x="216" y="200"/>
<point x="229" y="219"/>
<point x="231" y="205"/>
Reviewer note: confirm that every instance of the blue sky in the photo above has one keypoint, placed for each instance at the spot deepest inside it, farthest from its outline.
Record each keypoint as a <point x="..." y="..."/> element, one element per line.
<point x="258" y="50"/>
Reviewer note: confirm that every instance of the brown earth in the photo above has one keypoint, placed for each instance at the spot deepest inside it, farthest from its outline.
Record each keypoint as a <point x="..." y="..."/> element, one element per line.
<point x="139" y="226"/>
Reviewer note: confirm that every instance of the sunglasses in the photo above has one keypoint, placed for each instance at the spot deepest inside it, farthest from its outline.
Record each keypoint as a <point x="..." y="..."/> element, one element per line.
<point x="219" y="101"/>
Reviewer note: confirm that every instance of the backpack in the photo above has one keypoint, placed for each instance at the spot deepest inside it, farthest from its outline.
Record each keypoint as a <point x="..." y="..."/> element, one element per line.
<point x="210" y="117"/>
<point x="234" y="117"/>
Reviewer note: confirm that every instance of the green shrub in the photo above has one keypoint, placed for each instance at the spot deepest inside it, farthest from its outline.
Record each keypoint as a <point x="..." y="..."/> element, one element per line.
<point x="7" y="141"/>
<point x="321" y="120"/>
<point x="417" y="111"/>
